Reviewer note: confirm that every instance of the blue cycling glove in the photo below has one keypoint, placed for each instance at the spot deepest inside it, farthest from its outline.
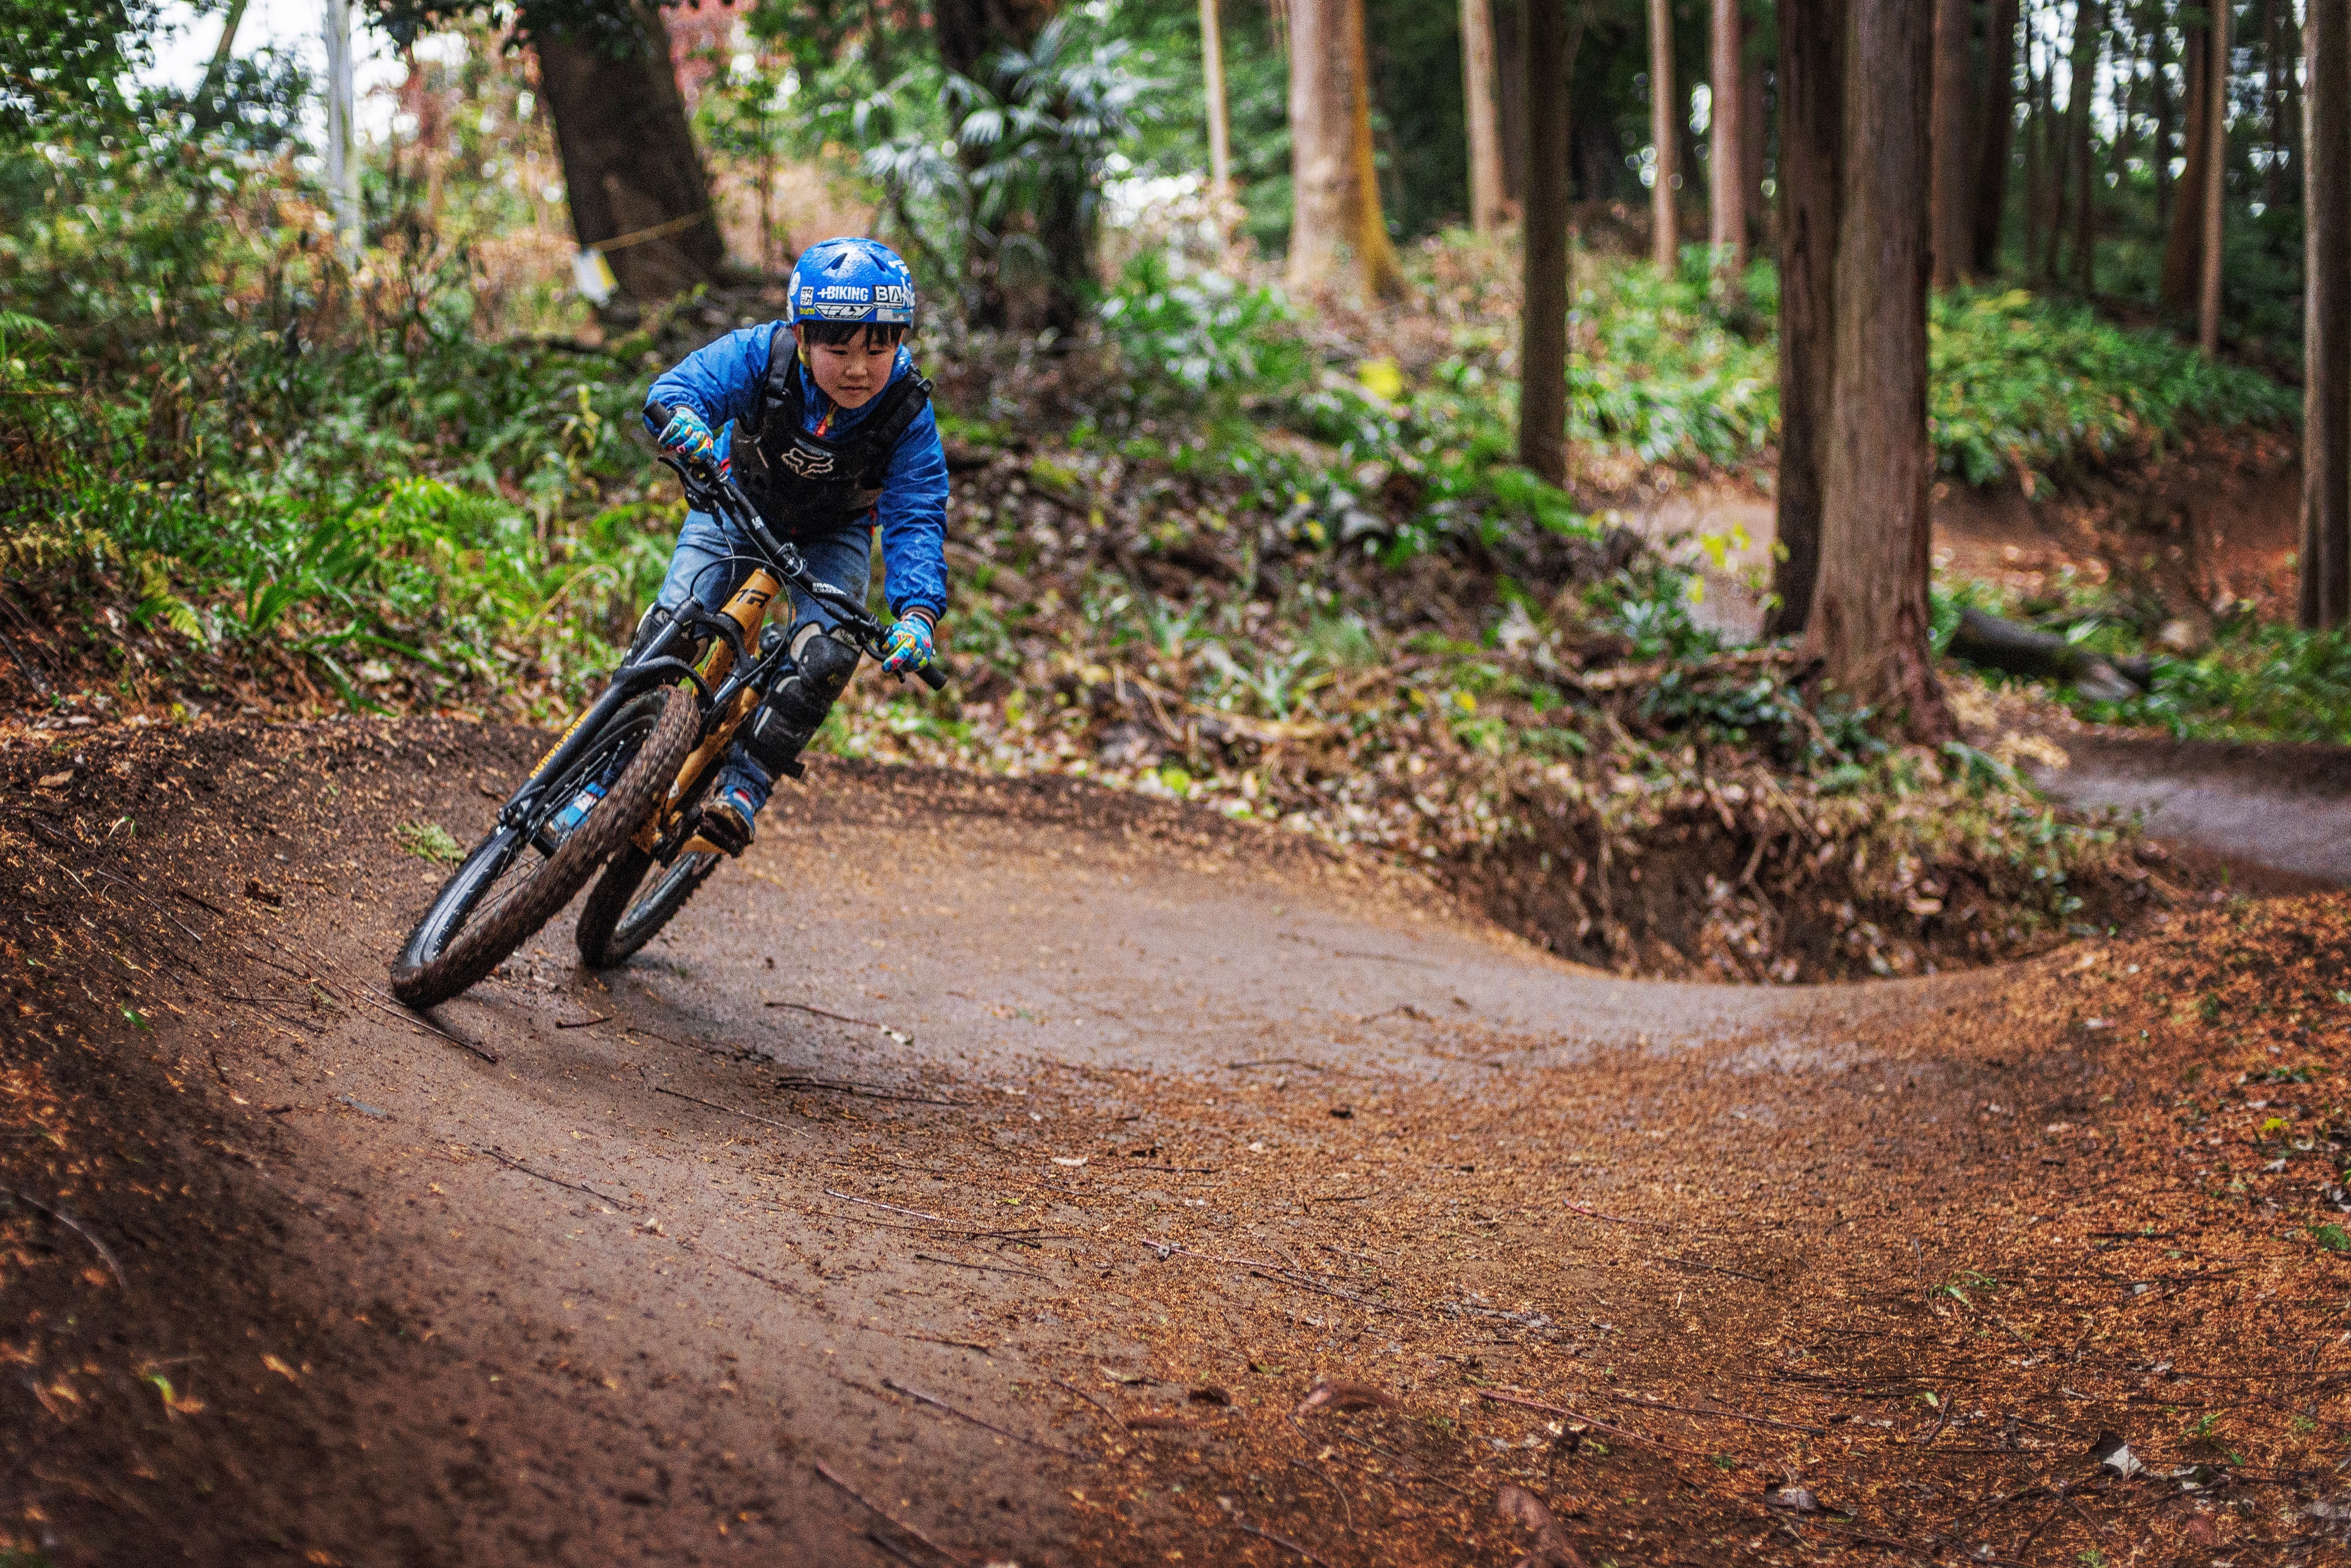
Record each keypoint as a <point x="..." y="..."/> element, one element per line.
<point x="909" y="647"/>
<point x="687" y="434"/>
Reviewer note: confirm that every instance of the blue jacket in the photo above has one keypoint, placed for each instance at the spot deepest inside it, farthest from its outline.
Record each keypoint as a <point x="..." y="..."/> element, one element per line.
<point x="722" y="382"/>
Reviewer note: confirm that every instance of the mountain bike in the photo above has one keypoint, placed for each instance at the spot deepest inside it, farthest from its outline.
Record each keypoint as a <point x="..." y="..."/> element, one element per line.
<point x="621" y="790"/>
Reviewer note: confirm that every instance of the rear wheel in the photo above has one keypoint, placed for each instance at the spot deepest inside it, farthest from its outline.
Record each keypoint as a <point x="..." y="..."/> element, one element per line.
<point x="625" y="911"/>
<point x="507" y="889"/>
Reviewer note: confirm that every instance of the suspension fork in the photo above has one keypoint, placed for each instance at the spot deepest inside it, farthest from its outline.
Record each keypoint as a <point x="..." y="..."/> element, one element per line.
<point x="748" y="609"/>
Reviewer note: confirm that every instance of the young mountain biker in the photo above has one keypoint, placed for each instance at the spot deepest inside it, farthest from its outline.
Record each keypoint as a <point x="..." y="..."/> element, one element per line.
<point x="826" y="424"/>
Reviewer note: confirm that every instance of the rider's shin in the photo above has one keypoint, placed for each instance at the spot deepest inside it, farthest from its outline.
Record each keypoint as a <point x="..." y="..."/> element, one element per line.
<point x="788" y="720"/>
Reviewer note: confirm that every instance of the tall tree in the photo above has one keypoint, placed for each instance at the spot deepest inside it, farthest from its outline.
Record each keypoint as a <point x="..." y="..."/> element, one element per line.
<point x="2159" y="42"/>
<point x="2325" y="557"/>
<point x="1996" y="135"/>
<point x="2089" y="33"/>
<point x="1335" y="189"/>
<point x="1726" y="166"/>
<point x="1542" y="357"/>
<point x="632" y="172"/>
<point x="1487" y="197"/>
<point x="2216" y="164"/>
<point x="1811" y="75"/>
<point x="1665" y="226"/>
<point x="1212" y="75"/>
<point x="1951" y="222"/>
<point x="1869" y="622"/>
<point x="631" y="167"/>
<point x="2183" y="245"/>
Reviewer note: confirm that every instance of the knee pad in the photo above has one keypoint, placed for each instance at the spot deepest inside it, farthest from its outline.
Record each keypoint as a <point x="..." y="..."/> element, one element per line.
<point x="784" y="724"/>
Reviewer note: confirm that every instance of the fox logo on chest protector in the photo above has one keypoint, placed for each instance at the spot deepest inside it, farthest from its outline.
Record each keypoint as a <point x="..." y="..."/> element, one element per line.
<point x="808" y="464"/>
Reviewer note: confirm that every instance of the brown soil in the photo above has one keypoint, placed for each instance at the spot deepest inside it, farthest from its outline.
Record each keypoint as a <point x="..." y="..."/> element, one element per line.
<point x="1024" y="1155"/>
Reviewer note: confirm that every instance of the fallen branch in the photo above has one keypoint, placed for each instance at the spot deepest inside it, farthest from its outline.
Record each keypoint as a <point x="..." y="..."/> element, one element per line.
<point x="937" y="1404"/>
<point x="370" y="994"/>
<point x="515" y="1164"/>
<point x="1630" y="1437"/>
<point x="70" y="1223"/>
<point x="882" y="1515"/>
<point x="1281" y="1541"/>
<point x="747" y="1116"/>
<point x="985" y="1268"/>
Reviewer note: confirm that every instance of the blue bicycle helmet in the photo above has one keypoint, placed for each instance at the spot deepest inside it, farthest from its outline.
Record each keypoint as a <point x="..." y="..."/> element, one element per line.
<point x="851" y="279"/>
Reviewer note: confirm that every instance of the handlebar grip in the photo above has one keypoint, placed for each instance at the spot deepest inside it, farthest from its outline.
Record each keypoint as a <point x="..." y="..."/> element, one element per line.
<point x="934" y="676"/>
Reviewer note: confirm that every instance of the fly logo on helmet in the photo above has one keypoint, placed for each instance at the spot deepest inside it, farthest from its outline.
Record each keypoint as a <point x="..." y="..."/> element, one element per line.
<point x="851" y="279"/>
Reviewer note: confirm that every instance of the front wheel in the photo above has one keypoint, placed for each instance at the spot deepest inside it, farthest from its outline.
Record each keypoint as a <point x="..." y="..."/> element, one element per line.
<point x="616" y="922"/>
<point x="507" y="889"/>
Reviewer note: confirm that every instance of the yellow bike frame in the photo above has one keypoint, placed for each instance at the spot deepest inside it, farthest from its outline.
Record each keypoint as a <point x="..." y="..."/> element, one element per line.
<point x="748" y="608"/>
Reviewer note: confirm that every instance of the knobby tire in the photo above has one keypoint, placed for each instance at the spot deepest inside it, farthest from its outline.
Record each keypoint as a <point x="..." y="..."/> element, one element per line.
<point x="614" y="923"/>
<point x="448" y="952"/>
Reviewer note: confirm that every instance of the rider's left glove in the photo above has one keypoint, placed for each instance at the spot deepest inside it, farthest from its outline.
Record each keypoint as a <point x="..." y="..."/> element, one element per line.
<point x="687" y="434"/>
<point x="909" y="647"/>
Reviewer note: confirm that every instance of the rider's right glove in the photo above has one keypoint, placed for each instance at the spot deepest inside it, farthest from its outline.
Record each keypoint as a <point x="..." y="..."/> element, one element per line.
<point x="687" y="434"/>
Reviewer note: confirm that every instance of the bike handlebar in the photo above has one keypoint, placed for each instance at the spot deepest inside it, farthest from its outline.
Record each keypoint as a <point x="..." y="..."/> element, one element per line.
<point x="708" y="490"/>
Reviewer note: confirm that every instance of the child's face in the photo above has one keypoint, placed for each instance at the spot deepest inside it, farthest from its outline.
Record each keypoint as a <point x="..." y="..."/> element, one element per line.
<point x="849" y="373"/>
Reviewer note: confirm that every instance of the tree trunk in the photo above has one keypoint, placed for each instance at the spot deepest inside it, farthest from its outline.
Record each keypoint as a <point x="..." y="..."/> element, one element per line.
<point x="2182" y="246"/>
<point x="972" y="32"/>
<point x="1811" y="139"/>
<point x="1212" y="74"/>
<point x="1335" y="188"/>
<point x="1752" y="127"/>
<point x="1542" y="357"/>
<point x="1665" y="228"/>
<point x="2036" y="161"/>
<point x="1950" y="225"/>
<point x="2276" y="70"/>
<point x="1997" y="135"/>
<point x="2089" y="31"/>
<point x="630" y="165"/>
<point x="1485" y="189"/>
<point x="969" y="31"/>
<point x="2056" y="163"/>
<point x="2325" y="560"/>
<point x="1509" y="102"/>
<point x="1869" y="623"/>
<point x="2089" y="34"/>
<point x="2215" y="166"/>
<point x="1727" y="224"/>
<point x="2160" y="44"/>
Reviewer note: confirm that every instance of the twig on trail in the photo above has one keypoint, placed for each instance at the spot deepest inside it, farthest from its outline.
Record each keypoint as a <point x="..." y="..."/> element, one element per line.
<point x="988" y="1268"/>
<point x="898" y="1035"/>
<point x="1097" y="1404"/>
<point x="893" y="1548"/>
<point x="1590" y="1213"/>
<point x="738" y="1266"/>
<point x="1896" y="1544"/>
<point x="862" y="1092"/>
<point x="1587" y="1420"/>
<point x="1281" y="1541"/>
<point x="70" y="1223"/>
<point x="884" y="1514"/>
<point x="513" y="1164"/>
<point x="1184" y="1170"/>
<point x="960" y="1229"/>
<point x="936" y="1403"/>
<point x="1031" y="1235"/>
<point x="200" y="901"/>
<point x="1346" y="1514"/>
<point x="747" y="1116"/>
<point x="1281" y="1278"/>
<point x="1716" y="1268"/>
<point x="369" y="995"/>
<point x="877" y="1202"/>
<point x="583" y="1023"/>
<point x="1643" y="1399"/>
<point x="1165" y="1248"/>
<point x="1278" y="1062"/>
<point x="141" y="893"/>
<point x="958" y="1344"/>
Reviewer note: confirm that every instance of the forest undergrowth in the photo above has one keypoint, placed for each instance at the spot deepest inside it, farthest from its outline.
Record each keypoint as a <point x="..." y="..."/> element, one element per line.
<point x="1273" y="560"/>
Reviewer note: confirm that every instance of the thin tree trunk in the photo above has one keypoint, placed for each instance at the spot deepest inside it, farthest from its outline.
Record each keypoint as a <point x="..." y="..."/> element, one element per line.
<point x="1212" y="73"/>
<point x="2182" y="265"/>
<point x="2036" y="159"/>
<point x="1811" y="136"/>
<point x="1998" y="134"/>
<point x="2089" y="32"/>
<point x="1728" y="229"/>
<point x="2277" y="69"/>
<point x="2164" y="106"/>
<point x="630" y="164"/>
<point x="1869" y="622"/>
<point x="1950" y="224"/>
<point x="2216" y="161"/>
<point x="1752" y="127"/>
<point x="2057" y="163"/>
<point x="221" y="52"/>
<point x="1542" y="358"/>
<point x="1664" y="228"/>
<point x="1485" y="189"/>
<point x="1336" y="187"/>
<point x="1509" y="101"/>
<point x="2325" y="559"/>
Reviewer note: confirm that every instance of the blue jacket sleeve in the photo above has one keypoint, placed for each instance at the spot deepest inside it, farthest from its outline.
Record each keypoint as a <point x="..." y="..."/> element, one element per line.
<point x="913" y="513"/>
<point x="721" y="381"/>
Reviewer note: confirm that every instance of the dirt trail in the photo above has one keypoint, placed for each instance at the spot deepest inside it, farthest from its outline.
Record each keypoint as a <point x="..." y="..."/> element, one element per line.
<point x="1022" y="1156"/>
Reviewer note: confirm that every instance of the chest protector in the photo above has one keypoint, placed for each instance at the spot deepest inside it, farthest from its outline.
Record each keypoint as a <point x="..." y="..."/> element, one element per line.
<point x="807" y="484"/>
